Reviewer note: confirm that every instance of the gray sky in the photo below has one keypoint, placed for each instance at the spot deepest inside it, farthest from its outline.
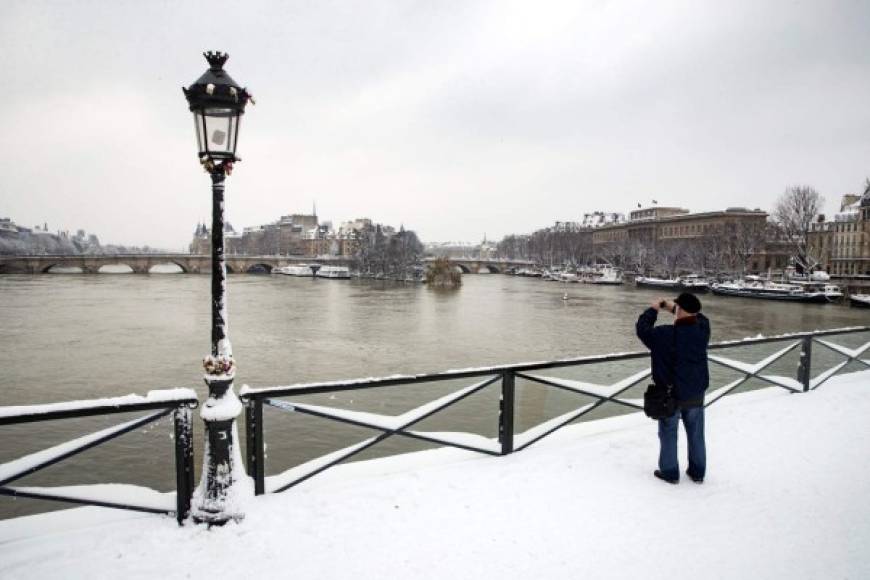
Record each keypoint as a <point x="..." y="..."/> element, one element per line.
<point x="453" y="118"/>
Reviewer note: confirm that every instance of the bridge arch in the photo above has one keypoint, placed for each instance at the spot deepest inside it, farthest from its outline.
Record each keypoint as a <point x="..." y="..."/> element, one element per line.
<point x="462" y="268"/>
<point x="116" y="268"/>
<point x="491" y="269"/>
<point x="177" y="264"/>
<point x="259" y="267"/>
<point x="60" y="268"/>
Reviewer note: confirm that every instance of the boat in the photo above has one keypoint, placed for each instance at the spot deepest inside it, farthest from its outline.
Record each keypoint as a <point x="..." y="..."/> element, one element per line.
<point x="859" y="300"/>
<point x="606" y="275"/>
<point x="767" y="290"/>
<point x="694" y="283"/>
<point x="831" y="291"/>
<point x="303" y="270"/>
<point x="568" y="277"/>
<point x="650" y="282"/>
<point x="688" y="283"/>
<point x="529" y="273"/>
<point x="338" y="272"/>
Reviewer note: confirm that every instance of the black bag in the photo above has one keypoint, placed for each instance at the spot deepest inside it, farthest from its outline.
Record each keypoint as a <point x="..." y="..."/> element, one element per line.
<point x="659" y="402"/>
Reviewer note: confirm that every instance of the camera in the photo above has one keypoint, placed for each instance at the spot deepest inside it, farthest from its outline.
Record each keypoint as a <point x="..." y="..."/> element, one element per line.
<point x="663" y="304"/>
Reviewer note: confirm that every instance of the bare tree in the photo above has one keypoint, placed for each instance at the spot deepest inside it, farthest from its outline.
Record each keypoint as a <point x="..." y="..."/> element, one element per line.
<point x="745" y="239"/>
<point x="794" y="213"/>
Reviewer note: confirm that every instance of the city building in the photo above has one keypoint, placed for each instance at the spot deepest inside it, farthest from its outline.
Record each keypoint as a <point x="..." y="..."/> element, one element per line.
<point x="291" y="235"/>
<point x="842" y="245"/>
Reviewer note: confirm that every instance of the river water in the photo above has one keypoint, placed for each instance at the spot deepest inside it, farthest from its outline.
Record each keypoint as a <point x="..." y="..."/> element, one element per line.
<point x="66" y="337"/>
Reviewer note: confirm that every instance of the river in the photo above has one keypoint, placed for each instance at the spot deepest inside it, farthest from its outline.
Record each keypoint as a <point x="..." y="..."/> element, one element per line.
<point x="67" y="337"/>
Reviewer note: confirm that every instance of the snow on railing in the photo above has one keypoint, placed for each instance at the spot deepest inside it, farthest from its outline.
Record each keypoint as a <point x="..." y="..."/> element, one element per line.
<point x="508" y="441"/>
<point x="178" y="402"/>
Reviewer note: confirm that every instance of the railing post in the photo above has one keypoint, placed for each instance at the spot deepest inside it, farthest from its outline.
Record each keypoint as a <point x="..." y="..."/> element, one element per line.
<point x="506" y="413"/>
<point x="804" y="368"/>
<point x="183" y="462"/>
<point x="254" y="443"/>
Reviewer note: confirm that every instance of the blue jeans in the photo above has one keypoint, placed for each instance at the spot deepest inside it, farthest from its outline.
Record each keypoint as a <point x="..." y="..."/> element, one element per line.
<point x="693" y="420"/>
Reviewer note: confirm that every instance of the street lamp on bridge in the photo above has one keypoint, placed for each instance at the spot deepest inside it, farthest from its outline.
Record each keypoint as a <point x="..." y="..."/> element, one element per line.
<point x="218" y="103"/>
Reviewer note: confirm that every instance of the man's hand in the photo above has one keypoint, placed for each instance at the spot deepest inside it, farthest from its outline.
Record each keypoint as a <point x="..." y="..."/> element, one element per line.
<point x="657" y="303"/>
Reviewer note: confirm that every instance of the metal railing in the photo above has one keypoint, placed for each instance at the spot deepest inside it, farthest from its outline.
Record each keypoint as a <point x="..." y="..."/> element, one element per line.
<point x="508" y="441"/>
<point x="179" y="407"/>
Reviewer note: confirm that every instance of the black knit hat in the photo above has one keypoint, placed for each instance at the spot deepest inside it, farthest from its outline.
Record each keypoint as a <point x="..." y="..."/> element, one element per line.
<point x="688" y="302"/>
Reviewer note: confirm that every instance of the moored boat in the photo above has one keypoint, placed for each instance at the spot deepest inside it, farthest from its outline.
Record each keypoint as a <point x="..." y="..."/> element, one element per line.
<point x="338" y="272"/>
<point x="689" y="283"/>
<point x="694" y="283"/>
<point x="605" y="275"/>
<point x="767" y="290"/>
<point x="302" y="270"/>
<point x="650" y="282"/>
<point x="859" y="300"/>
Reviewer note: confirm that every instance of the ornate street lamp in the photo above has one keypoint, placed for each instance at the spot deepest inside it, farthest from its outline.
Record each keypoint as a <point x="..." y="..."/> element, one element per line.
<point x="218" y="103"/>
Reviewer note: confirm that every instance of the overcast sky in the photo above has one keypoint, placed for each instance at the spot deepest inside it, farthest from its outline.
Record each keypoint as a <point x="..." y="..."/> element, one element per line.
<point x="453" y="118"/>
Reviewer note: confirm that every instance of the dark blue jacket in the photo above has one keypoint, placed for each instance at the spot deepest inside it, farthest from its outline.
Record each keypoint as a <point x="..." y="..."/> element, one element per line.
<point x="688" y="348"/>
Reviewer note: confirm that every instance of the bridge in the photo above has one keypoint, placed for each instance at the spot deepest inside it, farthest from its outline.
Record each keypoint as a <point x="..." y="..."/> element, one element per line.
<point x="143" y="263"/>
<point x="201" y="263"/>
<point x="493" y="266"/>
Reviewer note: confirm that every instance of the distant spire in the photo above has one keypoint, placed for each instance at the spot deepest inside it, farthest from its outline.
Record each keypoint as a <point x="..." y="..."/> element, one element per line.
<point x="314" y="208"/>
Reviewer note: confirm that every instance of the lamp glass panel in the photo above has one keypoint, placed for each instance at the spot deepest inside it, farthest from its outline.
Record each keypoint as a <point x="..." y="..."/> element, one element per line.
<point x="218" y="125"/>
<point x="197" y="125"/>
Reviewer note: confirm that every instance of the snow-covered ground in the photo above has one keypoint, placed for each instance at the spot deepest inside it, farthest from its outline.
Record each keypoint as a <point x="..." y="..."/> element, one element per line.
<point x="786" y="496"/>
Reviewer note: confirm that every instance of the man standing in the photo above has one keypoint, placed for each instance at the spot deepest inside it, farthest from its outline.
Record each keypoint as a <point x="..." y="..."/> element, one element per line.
<point x="679" y="359"/>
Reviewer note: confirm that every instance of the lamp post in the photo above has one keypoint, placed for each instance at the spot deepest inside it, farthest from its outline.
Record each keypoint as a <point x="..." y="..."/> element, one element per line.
<point x="218" y="103"/>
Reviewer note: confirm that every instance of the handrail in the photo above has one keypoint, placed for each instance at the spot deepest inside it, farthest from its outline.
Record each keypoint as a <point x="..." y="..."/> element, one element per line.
<point x="248" y="393"/>
<point x="12" y="415"/>
<point x="389" y="425"/>
<point x="178" y="402"/>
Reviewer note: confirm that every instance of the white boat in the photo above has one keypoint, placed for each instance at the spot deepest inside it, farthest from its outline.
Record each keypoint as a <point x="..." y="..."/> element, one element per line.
<point x="689" y="283"/>
<point x="859" y="300"/>
<point x="650" y="282"/>
<point x="607" y="275"/>
<point x="339" y="272"/>
<point x="752" y="287"/>
<point x="302" y="270"/>
<point x="694" y="283"/>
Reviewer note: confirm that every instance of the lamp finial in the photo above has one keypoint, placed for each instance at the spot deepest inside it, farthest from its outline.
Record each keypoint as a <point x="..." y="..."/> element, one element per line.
<point x="216" y="59"/>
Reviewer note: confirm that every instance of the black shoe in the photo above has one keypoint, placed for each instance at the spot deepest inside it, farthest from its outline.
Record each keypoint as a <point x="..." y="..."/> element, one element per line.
<point x="695" y="479"/>
<point x="661" y="476"/>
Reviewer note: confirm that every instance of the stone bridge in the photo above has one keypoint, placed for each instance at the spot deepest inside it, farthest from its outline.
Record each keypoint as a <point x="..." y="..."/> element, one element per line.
<point x="197" y="264"/>
<point x="143" y="263"/>
<point x="477" y="265"/>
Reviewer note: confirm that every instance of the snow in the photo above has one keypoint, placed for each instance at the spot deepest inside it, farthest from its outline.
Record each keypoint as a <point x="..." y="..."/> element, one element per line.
<point x="222" y="409"/>
<point x="12" y="470"/>
<point x="390" y="422"/>
<point x="752" y="368"/>
<point x="597" y="390"/>
<point x="119" y="493"/>
<point x="159" y="396"/>
<point x="785" y="497"/>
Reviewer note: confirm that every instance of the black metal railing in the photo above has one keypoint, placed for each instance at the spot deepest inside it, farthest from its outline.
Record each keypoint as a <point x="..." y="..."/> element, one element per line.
<point x="179" y="407"/>
<point x="508" y="441"/>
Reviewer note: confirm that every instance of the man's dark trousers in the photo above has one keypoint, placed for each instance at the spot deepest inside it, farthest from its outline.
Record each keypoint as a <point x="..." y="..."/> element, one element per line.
<point x="693" y="420"/>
